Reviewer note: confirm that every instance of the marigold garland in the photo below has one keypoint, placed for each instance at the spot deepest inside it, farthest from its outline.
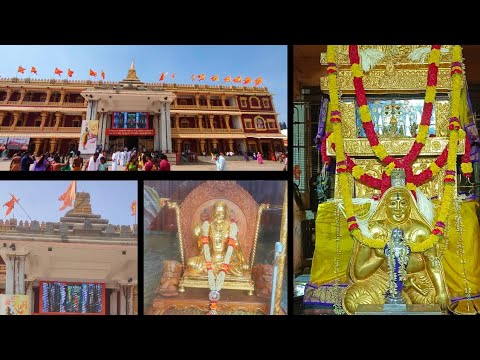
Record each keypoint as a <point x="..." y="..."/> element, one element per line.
<point x="364" y="111"/>
<point x="450" y="154"/>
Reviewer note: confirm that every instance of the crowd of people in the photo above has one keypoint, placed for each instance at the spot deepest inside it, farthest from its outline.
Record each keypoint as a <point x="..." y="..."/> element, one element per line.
<point x="127" y="160"/>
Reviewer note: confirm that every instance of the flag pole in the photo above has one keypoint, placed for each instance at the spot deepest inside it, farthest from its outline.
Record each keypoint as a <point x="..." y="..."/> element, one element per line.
<point x="21" y="207"/>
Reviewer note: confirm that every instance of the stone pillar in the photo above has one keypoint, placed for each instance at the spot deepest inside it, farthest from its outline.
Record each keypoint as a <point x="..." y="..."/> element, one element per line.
<point x="53" y="144"/>
<point x="202" y="145"/>
<point x="197" y="100"/>
<point x="230" y="144"/>
<point x="210" y="117"/>
<point x="227" y="121"/>
<point x="177" y="121"/>
<point x="245" y="147"/>
<point x="16" y="117"/>
<point x="9" y="95"/>
<point x="168" y="127"/>
<point x="163" y="140"/>
<point x="113" y="302"/>
<point x="44" y="116"/>
<point x="156" y="127"/>
<point x="91" y="110"/>
<point x="200" y="123"/>
<point x="31" y="297"/>
<point x="179" y="146"/>
<point x="223" y="101"/>
<point x="23" y="92"/>
<point x="123" y="300"/>
<point x="62" y="96"/>
<point x="49" y="95"/>
<point x="2" y="116"/>
<point x="15" y="276"/>
<point x="37" y="142"/>
<point x="208" y="101"/>
<point x="130" y="300"/>
<point x="58" y="117"/>
<point x="215" y="144"/>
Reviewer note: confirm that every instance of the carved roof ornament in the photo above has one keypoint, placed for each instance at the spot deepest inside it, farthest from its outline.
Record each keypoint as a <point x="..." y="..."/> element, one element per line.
<point x="390" y="68"/>
<point x="132" y="74"/>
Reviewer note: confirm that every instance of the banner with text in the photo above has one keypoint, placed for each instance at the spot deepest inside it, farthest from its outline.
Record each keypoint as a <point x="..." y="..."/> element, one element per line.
<point x="14" y="304"/>
<point x="88" y="137"/>
<point x="131" y="132"/>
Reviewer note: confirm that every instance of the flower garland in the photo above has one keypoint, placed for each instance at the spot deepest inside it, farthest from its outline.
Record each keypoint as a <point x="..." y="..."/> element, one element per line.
<point x="365" y="115"/>
<point x="449" y="179"/>
<point x="216" y="284"/>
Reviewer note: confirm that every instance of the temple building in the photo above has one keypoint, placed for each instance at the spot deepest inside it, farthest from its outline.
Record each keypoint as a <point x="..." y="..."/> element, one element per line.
<point x="46" y="115"/>
<point x="78" y="265"/>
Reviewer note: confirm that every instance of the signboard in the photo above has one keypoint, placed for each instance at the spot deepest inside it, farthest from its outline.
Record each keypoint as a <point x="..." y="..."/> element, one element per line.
<point x="88" y="137"/>
<point x="129" y="120"/>
<point x="67" y="298"/>
<point x="3" y="142"/>
<point x="20" y="143"/>
<point x="14" y="304"/>
<point x="131" y="132"/>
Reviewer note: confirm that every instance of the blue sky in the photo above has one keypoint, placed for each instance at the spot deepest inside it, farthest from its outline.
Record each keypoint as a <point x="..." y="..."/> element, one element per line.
<point x="268" y="61"/>
<point x="111" y="199"/>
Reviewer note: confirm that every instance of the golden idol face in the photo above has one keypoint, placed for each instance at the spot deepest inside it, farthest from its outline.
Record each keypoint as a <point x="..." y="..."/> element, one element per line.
<point x="398" y="207"/>
<point x="220" y="212"/>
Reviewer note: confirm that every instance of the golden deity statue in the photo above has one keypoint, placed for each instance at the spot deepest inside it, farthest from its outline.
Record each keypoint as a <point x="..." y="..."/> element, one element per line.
<point x="368" y="268"/>
<point x="218" y="230"/>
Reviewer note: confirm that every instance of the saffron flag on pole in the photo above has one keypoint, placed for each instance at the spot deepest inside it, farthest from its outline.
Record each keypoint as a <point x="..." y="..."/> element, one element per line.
<point x="21" y="70"/>
<point x="58" y="72"/>
<point x="214" y="78"/>
<point x="162" y="77"/>
<point x="134" y="208"/>
<point x="33" y="70"/>
<point x="237" y="79"/>
<point x="11" y="204"/>
<point x="103" y="75"/>
<point x="193" y="77"/>
<point x="227" y="79"/>
<point x="258" y="81"/>
<point x="201" y="77"/>
<point x="173" y="76"/>
<point x="70" y="72"/>
<point x="93" y="73"/>
<point x="68" y="196"/>
<point x="248" y="80"/>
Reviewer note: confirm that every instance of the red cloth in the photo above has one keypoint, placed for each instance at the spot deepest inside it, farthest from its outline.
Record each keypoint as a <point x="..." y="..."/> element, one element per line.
<point x="148" y="166"/>
<point x="164" y="165"/>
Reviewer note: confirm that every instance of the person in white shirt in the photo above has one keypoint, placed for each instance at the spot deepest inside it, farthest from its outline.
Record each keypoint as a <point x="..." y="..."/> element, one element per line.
<point x="123" y="156"/>
<point x="115" y="160"/>
<point x="221" y="163"/>
<point x="93" y="163"/>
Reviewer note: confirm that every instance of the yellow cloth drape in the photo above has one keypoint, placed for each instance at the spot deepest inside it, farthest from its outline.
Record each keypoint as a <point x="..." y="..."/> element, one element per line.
<point x="323" y="265"/>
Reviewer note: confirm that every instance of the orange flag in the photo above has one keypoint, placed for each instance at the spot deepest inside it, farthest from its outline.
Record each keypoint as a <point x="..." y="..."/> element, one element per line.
<point x="201" y="77"/>
<point x="173" y="76"/>
<point x="11" y="204"/>
<point x="103" y="75"/>
<point x="248" y="80"/>
<point x="193" y="77"/>
<point x="227" y="79"/>
<point x="134" y="208"/>
<point x="237" y="79"/>
<point x="214" y="78"/>
<point x="33" y="70"/>
<point x="58" y="71"/>
<point x="93" y="73"/>
<point x="258" y="81"/>
<point x="70" y="72"/>
<point x="162" y="77"/>
<point x="21" y="70"/>
<point x="68" y="196"/>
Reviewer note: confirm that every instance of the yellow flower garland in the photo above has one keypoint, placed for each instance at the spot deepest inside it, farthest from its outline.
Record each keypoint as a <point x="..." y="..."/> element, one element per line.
<point x="454" y="135"/>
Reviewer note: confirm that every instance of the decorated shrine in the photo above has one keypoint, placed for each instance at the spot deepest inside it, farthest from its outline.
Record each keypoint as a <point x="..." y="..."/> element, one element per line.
<point x="396" y="235"/>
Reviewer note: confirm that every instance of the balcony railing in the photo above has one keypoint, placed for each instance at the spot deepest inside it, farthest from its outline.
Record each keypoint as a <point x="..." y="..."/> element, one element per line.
<point x="203" y="107"/>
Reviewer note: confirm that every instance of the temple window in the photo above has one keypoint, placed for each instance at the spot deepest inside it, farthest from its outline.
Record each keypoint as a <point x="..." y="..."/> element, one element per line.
<point x="248" y="124"/>
<point x="243" y="102"/>
<point x="266" y="103"/>
<point x="272" y="124"/>
<point x="254" y="102"/>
